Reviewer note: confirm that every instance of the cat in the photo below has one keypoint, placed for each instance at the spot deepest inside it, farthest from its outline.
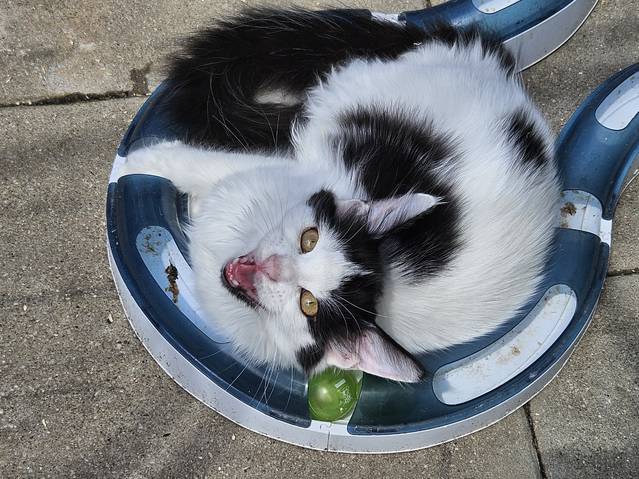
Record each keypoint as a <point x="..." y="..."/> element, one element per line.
<point x="361" y="191"/>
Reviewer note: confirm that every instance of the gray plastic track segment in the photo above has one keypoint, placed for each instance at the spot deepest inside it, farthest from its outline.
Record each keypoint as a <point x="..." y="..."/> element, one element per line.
<point x="318" y="435"/>
<point x="580" y="210"/>
<point x="158" y="249"/>
<point x="340" y="441"/>
<point x="531" y="29"/>
<point x="486" y="370"/>
<point x="492" y="6"/>
<point x="536" y="43"/>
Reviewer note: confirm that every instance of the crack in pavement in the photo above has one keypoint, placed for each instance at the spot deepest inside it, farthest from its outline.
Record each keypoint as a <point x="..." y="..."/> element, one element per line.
<point x="623" y="272"/>
<point x="9" y="301"/>
<point x="542" y="467"/>
<point x="140" y="88"/>
<point x="76" y="98"/>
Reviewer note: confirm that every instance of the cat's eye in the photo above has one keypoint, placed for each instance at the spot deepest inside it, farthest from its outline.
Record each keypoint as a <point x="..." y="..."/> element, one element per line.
<point x="308" y="304"/>
<point x="309" y="239"/>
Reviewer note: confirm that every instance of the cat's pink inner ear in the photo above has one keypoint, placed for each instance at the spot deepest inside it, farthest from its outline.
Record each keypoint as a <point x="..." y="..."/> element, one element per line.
<point x="342" y="359"/>
<point x="383" y="215"/>
<point x="353" y="207"/>
<point x="390" y="212"/>
<point x="375" y="354"/>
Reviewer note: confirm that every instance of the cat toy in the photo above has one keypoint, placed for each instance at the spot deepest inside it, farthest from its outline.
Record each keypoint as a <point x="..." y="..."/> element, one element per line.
<point x="531" y="29"/>
<point x="475" y="384"/>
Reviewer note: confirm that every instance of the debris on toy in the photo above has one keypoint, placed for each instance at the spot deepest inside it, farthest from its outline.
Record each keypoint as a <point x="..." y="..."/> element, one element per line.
<point x="172" y="276"/>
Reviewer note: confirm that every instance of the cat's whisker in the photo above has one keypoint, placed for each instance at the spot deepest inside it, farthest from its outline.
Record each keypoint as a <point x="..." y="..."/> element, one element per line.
<point x="236" y="377"/>
<point x="277" y="131"/>
<point x="274" y="384"/>
<point x="270" y="371"/>
<point x="362" y="309"/>
<point x="352" y="315"/>
<point x="356" y="232"/>
<point x="353" y="221"/>
<point x="242" y="142"/>
<point x="259" y="386"/>
<point x="209" y="355"/>
<point x="336" y="306"/>
<point x="290" y="390"/>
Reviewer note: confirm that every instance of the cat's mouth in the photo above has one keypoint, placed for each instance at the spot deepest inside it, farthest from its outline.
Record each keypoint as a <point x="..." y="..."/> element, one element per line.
<point x="238" y="276"/>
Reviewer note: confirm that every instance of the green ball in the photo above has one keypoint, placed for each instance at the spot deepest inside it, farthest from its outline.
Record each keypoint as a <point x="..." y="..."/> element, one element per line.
<point x="332" y="394"/>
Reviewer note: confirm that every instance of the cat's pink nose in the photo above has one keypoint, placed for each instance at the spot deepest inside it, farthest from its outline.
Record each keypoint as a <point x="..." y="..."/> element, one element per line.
<point x="273" y="267"/>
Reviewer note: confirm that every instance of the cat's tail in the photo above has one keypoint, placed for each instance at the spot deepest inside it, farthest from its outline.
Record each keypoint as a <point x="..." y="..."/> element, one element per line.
<point x="241" y="83"/>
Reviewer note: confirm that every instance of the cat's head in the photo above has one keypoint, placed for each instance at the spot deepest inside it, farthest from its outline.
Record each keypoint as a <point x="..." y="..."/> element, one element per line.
<point x="299" y="288"/>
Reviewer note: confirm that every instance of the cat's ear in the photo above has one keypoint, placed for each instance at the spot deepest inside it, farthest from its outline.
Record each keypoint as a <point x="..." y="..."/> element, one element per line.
<point x="375" y="353"/>
<point x="384" y="215"/>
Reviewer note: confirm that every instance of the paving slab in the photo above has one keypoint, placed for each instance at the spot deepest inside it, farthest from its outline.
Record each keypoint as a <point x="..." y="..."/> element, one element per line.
<point x="55" y="163"/>
<point x="606" y="43"/>
<point x="52" y="49"/>
<point x="624" y="258"/>
<point x="586" y="420"/>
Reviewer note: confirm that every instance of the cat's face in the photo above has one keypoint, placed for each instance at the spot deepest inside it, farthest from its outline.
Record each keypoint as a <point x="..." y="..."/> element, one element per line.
<point x="299" y="287"/>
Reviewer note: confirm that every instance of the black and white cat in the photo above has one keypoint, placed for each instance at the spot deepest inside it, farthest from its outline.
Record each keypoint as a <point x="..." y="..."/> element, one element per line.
<point x="360" y="190"/>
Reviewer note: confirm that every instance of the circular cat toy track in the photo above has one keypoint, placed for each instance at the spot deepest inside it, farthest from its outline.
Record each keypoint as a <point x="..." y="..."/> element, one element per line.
<point x="475" y="384"/>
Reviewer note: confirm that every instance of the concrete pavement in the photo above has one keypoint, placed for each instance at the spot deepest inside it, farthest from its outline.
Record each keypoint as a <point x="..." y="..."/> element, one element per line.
<point x="52" y="49"/>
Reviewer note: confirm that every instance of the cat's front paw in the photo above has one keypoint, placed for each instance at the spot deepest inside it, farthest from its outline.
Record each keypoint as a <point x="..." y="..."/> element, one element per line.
<point x="157" y="159"/>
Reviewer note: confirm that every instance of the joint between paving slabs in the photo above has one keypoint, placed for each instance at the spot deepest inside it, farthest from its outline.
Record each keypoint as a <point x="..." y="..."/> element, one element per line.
<point x="74" y="98"/>
<point x="46" y="297"/>
<point x="531" y="425"/>
<point x="140" y="88"/>
<point x="623" y="272"/>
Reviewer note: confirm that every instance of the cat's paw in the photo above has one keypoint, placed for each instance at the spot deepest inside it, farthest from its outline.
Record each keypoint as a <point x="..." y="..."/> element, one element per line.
<point x="157" y="159"/>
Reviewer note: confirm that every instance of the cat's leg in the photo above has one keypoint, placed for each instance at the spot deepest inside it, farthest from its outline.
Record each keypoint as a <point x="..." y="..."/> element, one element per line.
<point x="192" y="170"/>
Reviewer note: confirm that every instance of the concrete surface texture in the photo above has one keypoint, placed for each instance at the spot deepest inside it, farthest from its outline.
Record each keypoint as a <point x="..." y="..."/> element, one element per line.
<point x="53" y="49"/>
<point x="80" y="397"/>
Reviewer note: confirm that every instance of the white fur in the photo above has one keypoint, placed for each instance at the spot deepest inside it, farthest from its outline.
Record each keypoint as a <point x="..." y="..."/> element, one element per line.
<point x="507" y="212"/>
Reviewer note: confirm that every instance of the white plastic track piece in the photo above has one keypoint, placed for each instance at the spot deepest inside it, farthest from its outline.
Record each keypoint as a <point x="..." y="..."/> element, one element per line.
<point x="621" y="105"/>
<point x="480" y="373"/>
<point x="580" y="210"/>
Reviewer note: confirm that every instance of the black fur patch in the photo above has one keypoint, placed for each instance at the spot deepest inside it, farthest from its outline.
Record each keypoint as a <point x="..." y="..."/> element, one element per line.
<point x="393" y="153"/>
<point x="219" y="71"/>
<point x="309" y="356"/>
<point x="359" y="246"/>
<point x="523" y="133"/>
<point x="350" y="307"/>
<point x="217" y="74"/>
